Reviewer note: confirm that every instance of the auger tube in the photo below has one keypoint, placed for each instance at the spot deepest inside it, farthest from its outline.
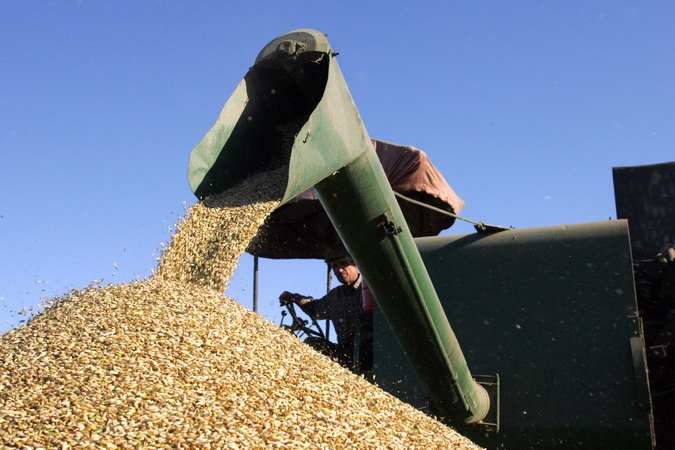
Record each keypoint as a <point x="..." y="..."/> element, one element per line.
<point x="296" y="93"/>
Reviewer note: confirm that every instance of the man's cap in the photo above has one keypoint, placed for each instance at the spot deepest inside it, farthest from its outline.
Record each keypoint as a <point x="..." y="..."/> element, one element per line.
<point x="338" y="252"/>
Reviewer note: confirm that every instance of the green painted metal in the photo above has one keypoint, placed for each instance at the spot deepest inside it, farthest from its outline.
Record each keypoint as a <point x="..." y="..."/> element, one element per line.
<point x="552" y="310"/>
<point x="301" y="95"/>
<point x="295" y="94"/>
<point x="370" y="223"/>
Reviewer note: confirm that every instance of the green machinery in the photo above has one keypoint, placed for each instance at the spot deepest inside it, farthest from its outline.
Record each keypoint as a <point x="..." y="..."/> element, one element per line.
<point x="552" y="350"/>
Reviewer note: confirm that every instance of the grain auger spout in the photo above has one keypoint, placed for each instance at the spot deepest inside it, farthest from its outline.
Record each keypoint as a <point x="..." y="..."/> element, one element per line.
<point x="293" y="107"/>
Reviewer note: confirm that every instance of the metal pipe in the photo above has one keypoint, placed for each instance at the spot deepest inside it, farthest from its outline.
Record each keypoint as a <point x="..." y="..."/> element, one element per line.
<point x="367" y="217"/>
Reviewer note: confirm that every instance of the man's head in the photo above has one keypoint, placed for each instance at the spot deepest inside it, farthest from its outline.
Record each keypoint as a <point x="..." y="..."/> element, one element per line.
<point x="343" y="265"/>
<point x="345" y="269"/>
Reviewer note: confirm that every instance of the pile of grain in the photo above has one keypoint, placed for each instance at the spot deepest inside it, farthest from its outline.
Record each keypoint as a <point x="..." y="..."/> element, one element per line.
<point x="170" y="363"/>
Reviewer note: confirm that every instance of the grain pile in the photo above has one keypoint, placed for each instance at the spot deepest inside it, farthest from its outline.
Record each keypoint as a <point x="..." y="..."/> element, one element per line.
<point x="169" y="362"/>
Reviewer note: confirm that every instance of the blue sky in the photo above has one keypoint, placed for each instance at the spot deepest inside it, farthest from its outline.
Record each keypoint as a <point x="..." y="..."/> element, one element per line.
<point x="523" y="106"/>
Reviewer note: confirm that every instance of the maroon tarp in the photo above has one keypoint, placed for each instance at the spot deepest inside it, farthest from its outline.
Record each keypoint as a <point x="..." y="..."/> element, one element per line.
<point x="301" y="229"/>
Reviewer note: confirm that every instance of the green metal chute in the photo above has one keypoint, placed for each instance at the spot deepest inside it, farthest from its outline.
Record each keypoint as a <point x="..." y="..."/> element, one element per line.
<point x="280" y="104"/>
<point x="295" y="109"/>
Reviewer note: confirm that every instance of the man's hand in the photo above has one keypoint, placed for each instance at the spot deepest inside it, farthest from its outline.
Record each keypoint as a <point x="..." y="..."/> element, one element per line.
<point x="287" y="297"/>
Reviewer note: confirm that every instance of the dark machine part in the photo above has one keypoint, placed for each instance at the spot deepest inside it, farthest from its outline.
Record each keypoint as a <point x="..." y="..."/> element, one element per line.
<point x="645" y="196"/>
<point x="300" y="327"/>
<point x="357" y="356"/>
<point x="552" y="311"/>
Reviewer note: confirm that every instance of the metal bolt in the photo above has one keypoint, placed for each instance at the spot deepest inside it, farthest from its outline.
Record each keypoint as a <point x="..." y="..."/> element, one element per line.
<point x="290" y="48"/>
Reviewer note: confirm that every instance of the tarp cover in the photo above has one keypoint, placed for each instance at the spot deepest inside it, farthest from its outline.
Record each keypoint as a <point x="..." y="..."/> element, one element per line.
<point x="301" y="228"/>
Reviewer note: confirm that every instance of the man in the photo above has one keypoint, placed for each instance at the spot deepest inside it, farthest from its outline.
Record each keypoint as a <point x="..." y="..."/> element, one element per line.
<point x="344" y="307"/>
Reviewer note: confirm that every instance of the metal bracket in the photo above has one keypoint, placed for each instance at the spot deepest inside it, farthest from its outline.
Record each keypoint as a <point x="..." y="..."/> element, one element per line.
<point x="389" y="227"/>
<point x="639" y="363"/>
<point x="491" y="383"/>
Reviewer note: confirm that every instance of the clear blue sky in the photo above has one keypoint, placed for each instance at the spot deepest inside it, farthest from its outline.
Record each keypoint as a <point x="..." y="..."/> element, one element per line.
<point x="524" y="107"/>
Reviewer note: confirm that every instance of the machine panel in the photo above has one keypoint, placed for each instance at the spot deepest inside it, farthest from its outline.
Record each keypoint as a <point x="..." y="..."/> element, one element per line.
<point x="552" y="312"/>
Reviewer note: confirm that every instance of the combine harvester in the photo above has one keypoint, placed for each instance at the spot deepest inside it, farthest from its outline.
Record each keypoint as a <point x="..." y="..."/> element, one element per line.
<point x="553" y="345"/>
